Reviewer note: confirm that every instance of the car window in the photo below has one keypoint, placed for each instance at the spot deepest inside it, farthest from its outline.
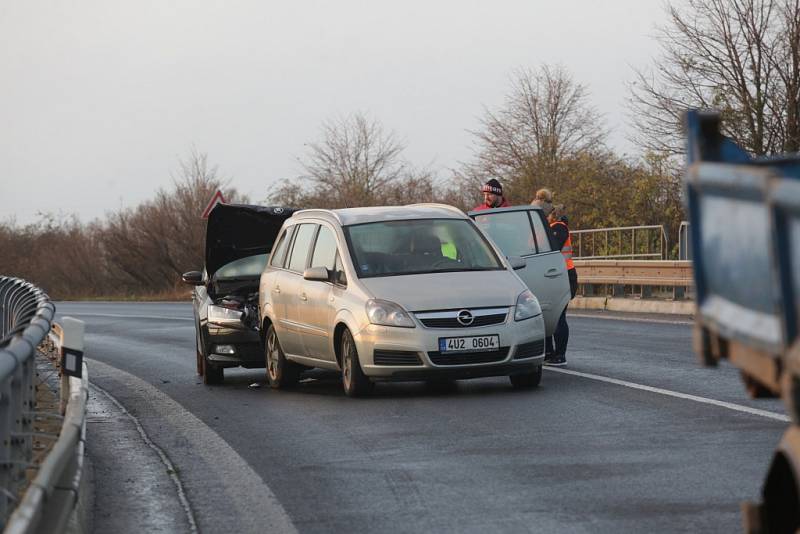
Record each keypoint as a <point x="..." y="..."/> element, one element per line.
<point x="418" y="246"/>
<point x="510" y="230"/>
<point x="280" y="249"/>
<point x="324" y="249"/>
<point x="339" y="275"/>
<point x="302" y="243"/>
<point x="243" y="267"/>
<point x="542" y="231"/>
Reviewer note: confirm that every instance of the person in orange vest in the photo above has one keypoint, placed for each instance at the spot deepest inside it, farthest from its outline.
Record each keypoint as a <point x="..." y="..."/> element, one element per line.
<point x="556" y="347"/>
<point x="492" y="196"/>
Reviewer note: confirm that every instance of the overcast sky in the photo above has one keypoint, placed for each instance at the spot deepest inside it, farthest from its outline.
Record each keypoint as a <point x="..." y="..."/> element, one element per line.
<point x="100" y="98"/>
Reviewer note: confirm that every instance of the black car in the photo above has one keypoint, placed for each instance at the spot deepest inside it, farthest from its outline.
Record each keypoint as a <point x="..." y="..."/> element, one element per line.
<point x="239" y="239"/>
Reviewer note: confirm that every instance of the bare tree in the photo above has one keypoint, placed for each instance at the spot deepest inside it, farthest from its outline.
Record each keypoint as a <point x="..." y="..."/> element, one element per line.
<point x="741" y="57"/>
<point x="356" y="163"/>
<point x="151" y="245"/>
<point x="545" y="119"/>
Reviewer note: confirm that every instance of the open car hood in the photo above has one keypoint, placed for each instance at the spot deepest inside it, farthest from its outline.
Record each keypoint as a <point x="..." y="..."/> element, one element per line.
<point x="239" y="230"/>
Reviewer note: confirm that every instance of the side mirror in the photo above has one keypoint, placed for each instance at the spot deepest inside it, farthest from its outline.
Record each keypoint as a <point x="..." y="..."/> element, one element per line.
<point x="193" y="278"/>
<point x="319" y="274"/>
<point x="517" y="263"/>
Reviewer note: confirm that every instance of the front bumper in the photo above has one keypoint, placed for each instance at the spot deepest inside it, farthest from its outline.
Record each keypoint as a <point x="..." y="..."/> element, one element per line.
<point x="392" y="353"/>
<point x="245" y="342"/>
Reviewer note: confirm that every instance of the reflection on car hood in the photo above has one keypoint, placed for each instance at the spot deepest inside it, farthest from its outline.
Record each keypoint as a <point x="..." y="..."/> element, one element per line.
<point x="238" y="230"/>
<point x="446" y="291"/>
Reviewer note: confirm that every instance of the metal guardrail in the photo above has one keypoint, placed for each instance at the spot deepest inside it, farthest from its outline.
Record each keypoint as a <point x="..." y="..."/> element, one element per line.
<point x="620" y="243"/>
<point x="647" y="274"/>
<point x="26" y="316"/>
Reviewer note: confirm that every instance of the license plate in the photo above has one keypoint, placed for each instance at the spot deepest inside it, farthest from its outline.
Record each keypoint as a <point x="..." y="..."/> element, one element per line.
<point x="469" y="344"/>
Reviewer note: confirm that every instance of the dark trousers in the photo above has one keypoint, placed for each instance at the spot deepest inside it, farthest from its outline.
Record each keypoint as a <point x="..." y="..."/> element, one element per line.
<point x="561" y="336"/>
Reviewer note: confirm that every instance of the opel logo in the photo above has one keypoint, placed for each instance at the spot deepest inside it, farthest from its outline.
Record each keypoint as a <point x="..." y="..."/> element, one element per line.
<point x="465" y="317"/>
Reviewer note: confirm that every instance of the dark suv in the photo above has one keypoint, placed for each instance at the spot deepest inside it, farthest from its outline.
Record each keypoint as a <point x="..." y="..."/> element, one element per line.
<point x="239" y="239"/>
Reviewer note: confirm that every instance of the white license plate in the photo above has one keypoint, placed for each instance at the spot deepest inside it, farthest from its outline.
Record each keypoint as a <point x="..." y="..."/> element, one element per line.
<point x="469" y="344"/>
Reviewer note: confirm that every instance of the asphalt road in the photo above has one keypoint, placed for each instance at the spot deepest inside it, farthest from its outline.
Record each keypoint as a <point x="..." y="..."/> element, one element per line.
<point x="578" y="454"/>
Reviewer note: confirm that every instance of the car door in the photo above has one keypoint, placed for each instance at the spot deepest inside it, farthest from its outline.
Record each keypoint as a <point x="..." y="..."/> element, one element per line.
<point x="523" y="232"/>
<point x="292" y="289"/>
<point x="316" y="302"/>
<point x="270" y="288"/>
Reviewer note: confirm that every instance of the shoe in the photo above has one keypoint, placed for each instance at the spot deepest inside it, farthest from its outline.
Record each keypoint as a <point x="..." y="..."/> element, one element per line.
<point x="555" y="360"/>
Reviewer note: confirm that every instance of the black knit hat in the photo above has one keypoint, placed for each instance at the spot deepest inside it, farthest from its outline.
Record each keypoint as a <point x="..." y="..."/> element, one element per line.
<point x="493" y="187"/>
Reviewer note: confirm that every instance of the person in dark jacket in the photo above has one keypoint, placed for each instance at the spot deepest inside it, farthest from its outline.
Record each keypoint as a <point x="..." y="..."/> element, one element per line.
<point x="492" y="196"/>
<point x="544" y="200"/>
<point x="556" y="346"/>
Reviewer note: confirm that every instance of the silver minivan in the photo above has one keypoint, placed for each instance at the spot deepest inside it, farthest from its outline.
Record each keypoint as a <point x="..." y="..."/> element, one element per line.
<point x="396" y="293"/>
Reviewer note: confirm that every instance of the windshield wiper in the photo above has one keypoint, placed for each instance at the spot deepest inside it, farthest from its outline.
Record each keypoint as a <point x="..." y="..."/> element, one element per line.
<point x="457" y="270"/>
<point x="237" y="278"/>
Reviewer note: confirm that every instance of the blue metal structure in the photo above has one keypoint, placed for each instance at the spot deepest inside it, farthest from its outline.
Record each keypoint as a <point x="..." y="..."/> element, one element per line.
<point x="745" y="235"/>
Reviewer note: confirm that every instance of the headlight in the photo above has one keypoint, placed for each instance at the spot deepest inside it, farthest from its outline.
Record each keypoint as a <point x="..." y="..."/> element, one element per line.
<point x="222" y="315"/>
<point x="527" y="306"/>
<point x="387" y="313"/>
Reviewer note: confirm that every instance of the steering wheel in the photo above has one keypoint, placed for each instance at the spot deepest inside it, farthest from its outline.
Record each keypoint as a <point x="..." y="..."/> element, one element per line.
<point x="443" y="263"/>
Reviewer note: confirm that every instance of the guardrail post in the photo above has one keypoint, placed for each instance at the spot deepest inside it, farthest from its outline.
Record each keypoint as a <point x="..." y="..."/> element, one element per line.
<point x="71" y="355"/>
<point x="17" y="439"/>
<point x="6" y="431"/>
<point x="618" y="290"/>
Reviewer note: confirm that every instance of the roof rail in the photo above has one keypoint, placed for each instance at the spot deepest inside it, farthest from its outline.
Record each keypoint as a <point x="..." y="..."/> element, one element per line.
<point x="437" y="205"/>
<point x="315" y="211"/>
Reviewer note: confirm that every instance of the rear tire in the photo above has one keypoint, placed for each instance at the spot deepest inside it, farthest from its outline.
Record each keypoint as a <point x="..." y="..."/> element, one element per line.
<point x="281" y="373"/>
<point x="527" y="380"/>
<point x="354" y="381"/>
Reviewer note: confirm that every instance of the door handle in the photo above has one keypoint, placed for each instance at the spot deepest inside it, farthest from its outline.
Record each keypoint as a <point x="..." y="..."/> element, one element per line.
<point x="303" y="297"/>
<point x="277" y="289"/>
<point x="552" y="273"/>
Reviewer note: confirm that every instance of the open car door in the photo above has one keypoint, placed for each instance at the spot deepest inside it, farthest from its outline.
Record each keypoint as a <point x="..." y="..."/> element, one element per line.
<point x="522" y="231"/>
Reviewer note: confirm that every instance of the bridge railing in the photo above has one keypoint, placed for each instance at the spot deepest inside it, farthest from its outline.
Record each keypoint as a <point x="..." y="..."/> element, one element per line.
<point x="621" y="242"/>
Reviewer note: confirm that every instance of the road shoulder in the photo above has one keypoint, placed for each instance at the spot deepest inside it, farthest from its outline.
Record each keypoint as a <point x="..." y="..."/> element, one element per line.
<point x="211" y="472"/>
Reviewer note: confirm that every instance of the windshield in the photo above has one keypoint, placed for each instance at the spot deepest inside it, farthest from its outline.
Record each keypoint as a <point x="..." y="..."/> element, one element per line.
<point x="243" y="267"/>
<point x="419" y="246"/>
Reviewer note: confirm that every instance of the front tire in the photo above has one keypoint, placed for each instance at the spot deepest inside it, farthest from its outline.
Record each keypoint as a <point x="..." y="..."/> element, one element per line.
<point x="527" y="380"/>
<point x="200" y="352"/>
<point x="213" y="375"/>
<point x="354" y="381"/>
<point x="281" y="373"/>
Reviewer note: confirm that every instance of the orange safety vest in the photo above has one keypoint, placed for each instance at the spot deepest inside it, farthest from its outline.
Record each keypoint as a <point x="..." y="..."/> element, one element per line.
<point x="566" y="250"/>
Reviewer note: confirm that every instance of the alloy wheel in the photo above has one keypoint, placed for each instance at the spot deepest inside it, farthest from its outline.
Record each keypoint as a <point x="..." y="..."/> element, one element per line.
<point x="272" y="355"/>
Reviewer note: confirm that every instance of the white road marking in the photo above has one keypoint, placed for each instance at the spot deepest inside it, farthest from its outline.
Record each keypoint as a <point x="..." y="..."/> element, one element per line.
<point x="667" y="392"/>
<point x="631" y="319"/>
<point x="125" y="316"/>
